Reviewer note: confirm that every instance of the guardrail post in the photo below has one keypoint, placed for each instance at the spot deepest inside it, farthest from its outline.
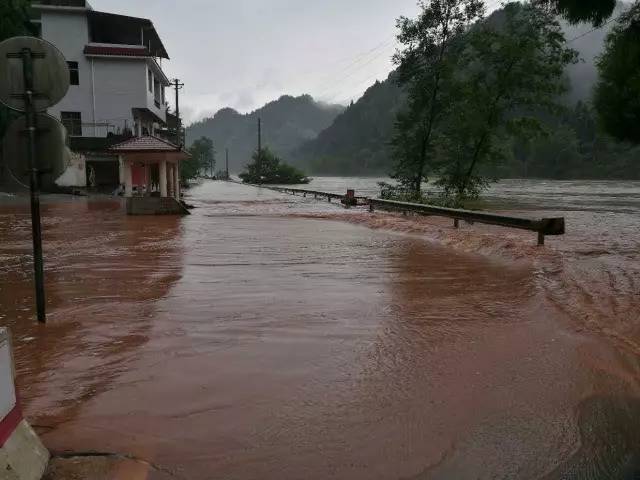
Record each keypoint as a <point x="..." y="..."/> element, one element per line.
<point x="540" y="238"/>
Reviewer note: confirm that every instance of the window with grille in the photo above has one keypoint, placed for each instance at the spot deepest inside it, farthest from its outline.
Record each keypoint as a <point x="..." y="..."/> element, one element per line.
<point x="72" y="121"/>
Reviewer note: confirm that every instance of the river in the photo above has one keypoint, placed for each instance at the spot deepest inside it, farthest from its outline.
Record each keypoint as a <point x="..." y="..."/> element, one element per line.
<point x="271" y="336"/>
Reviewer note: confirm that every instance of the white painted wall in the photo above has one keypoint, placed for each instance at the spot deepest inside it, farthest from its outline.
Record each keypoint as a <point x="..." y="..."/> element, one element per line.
<point x="120" y="86"/>
<point x="70" y="33"/>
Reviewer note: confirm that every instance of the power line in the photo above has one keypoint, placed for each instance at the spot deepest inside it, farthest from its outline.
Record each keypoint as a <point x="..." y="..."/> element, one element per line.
<point x="332" y="80"/>
<point x="613" y="19"/>
<point x="348" y="76"/>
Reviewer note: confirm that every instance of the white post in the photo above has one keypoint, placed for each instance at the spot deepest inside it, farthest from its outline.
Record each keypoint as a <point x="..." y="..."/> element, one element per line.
<point x="177" y="180"/>
<point x="163" y="178"/>
<point x="128" y="179"/>
<point x="147" y="177"/>
<point x="121" y="169"/>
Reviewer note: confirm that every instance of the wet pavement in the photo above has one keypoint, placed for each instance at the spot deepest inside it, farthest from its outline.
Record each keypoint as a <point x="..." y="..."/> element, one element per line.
<point x="269" y="336"/>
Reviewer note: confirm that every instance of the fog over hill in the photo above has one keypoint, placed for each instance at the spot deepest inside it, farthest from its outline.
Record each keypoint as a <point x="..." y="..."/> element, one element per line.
<point x="286" y="124"/>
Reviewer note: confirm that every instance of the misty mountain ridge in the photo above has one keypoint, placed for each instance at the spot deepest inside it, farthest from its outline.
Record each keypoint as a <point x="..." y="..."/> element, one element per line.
<point x="286" y="124"/>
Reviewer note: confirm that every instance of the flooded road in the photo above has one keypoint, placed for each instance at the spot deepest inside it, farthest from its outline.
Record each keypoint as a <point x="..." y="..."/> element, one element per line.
<point x="269" y="336"/>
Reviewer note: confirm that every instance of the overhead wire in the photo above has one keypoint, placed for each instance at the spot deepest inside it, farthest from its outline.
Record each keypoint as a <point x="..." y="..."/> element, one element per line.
<point x="490" y="6"/>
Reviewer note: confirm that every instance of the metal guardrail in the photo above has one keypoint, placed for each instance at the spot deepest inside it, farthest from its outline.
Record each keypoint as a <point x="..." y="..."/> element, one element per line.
<point x="543" y="226"/>
<point x="316" y="194"/>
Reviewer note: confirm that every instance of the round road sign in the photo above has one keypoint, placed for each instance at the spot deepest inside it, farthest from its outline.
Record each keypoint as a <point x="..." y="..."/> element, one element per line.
<point x="52" y="153"/>
<point x="50" y="73"/>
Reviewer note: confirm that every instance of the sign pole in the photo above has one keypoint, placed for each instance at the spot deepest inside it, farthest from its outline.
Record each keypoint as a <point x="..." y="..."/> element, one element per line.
<point x="36" y="228"/>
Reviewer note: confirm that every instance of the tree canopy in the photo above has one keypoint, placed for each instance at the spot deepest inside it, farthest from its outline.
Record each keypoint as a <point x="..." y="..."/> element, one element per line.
<point x="581" y="11"/>
<point x="507" y="69"/>
<point x="267" y="168"/>
<point x="617" y="94"/>
<point x="426" y="66"/>
<point x="14" y="21"/>
<point x="202" y="159"/>
<point x="483" y="85"/>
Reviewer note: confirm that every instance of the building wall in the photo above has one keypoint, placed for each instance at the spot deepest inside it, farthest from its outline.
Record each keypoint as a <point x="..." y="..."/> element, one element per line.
<point x="162" y="111"/>
<point x="70" y="33"/>
<point x="110" y="87"/>
<point x="120" y="85"/>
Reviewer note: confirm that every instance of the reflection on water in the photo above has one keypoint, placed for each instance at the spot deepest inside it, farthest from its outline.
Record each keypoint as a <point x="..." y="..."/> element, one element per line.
<point x="100" y="292"/>
<point x="271" y="336"/>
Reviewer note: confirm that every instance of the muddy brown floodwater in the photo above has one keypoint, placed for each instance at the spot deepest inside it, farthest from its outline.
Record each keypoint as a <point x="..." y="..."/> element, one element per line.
<point x="276" y="337"/>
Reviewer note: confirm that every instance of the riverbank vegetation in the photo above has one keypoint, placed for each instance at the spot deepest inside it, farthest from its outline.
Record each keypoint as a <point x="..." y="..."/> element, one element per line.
<point x="268" y="168"/>
<point x="471" y="83"/>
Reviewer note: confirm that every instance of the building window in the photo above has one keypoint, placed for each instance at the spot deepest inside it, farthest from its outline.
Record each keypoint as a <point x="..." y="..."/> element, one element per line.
<point x="74" y="73"/>
<point x="72" y="121"/>
<point x="150" y="75"/>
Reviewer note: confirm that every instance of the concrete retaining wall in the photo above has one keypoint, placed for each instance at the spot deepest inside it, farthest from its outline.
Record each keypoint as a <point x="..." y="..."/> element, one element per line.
<point x="155" y="206"/>
<point x="22" y="454"/>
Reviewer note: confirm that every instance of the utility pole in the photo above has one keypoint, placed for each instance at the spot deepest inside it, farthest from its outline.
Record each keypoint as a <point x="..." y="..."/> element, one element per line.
<point x="178" y="86"/>
<point x="259" y="150"/>
<point x="227" y="162"/>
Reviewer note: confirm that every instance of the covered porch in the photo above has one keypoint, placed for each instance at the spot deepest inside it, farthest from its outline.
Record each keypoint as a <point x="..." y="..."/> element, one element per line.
<point x="150" y="169"/>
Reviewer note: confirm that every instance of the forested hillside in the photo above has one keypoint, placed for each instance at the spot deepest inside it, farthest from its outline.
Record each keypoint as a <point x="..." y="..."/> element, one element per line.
<point x="358" y="141"/>
<point x="286" y="124"/>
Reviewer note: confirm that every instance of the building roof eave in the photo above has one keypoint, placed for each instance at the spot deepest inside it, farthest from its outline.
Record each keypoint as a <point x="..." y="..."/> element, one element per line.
<point x="110" y="25"/>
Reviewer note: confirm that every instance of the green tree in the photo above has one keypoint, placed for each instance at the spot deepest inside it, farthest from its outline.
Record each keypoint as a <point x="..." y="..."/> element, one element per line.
<point x="426" y="66"/>
<point x="510" y="67"/>
<point x="267" y="168"/>
<point x="14" y="21"/>
<point x="617" y="94"/>
<point x="581" y="11"/>
<point x="203" y="158"/>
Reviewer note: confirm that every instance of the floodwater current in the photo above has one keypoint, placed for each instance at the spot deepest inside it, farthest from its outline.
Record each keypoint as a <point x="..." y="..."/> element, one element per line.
<point x="268" y="336"/>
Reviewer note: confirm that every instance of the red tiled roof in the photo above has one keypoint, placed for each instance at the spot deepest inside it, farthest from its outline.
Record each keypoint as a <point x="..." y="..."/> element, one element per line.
<point x="145" y="143"/>
<point x="116" y="51"/>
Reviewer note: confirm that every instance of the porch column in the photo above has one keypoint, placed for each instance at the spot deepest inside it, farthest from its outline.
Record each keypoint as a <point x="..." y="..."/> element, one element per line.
<point x="170" y="177"/>
<point x="121" y="170"/>
<point x="163" y="178"/>
<point x="128" y="179"/>
<point x="176" y="181"/>
<point x="147" y="178"/>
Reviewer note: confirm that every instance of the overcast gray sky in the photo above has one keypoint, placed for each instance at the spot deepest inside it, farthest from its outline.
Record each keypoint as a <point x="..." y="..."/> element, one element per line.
<point x="243" y="53"/>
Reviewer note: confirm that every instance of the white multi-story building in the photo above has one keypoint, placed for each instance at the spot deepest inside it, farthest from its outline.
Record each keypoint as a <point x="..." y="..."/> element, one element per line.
<point x="117" y="82"/>
<point x="117" y="94"/>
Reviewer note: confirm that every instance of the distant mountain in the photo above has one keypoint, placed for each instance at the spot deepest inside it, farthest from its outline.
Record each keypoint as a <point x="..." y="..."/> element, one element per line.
<point x="286" y="124"/>
<point x="357" y="142"/>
